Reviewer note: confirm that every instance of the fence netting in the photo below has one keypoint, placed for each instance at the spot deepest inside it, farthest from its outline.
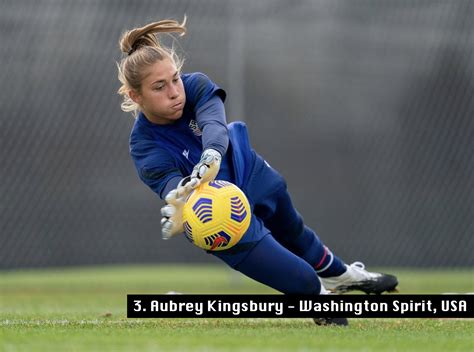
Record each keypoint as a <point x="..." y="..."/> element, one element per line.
<point x="366" y="107"/>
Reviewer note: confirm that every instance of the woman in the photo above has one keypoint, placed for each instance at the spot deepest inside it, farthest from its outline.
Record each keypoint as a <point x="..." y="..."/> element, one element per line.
<point x="180" y="138"/>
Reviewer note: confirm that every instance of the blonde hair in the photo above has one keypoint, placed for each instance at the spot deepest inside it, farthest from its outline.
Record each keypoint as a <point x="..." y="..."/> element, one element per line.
<point x="143" y="48"/>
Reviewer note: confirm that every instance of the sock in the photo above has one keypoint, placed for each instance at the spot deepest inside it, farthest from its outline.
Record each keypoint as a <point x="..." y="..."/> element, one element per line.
<point x="329" y="265"/>
<point x="309" y="247"/>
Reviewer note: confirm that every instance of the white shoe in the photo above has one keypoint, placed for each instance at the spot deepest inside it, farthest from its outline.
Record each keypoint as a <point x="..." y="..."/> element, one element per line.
<point x="323" y="291"/>
<point x="357" y="278"/>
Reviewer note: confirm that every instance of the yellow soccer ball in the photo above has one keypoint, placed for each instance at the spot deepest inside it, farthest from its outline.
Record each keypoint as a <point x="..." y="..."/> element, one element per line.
<point x="216" y="215"/>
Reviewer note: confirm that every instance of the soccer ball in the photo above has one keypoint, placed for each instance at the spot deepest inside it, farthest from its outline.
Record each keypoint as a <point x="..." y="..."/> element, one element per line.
<point x="216" y="215"/>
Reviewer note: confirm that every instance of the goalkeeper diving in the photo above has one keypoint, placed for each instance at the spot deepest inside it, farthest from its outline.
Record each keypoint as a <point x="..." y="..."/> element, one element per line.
<point x="181" y="139"/>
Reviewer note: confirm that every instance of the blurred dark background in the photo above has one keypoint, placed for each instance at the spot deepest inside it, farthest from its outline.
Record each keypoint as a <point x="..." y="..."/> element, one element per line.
<point x="366" y="107"/>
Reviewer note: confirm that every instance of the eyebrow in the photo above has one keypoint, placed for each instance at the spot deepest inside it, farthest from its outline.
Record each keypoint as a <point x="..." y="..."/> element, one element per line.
<point x="164" y="80"/>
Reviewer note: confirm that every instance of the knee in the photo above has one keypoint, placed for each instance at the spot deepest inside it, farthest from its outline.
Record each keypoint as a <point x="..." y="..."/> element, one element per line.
<point x="296" y="227"/>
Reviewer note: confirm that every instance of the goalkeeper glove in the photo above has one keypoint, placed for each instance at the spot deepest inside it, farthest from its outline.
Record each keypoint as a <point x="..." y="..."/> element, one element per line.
<point x="208" y="167"/>
<point x="172" y="212"/>
<point x="206" y="170"/>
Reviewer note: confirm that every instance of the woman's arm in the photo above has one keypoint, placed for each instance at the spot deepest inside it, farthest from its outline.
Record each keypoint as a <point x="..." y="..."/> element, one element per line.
<point x="211" y="119"/>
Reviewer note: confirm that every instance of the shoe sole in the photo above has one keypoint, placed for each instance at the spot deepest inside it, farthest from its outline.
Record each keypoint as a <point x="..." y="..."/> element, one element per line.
<point x="385" y="283"/>
<point x="331" y="321"/>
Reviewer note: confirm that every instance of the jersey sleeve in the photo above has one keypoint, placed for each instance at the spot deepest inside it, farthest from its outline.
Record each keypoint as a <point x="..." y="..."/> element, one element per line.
<point x="154" y="165"/>
<point x="200" y="89"/>
<point x="211" y="120"/>
<point x="207" y="101"/>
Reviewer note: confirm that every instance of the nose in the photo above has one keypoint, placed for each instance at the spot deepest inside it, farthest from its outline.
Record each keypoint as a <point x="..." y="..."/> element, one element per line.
<point x="173" y="92"/>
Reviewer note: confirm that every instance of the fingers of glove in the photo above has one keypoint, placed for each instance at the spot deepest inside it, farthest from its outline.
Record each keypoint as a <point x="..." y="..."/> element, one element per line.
<point x="184" y="191"/>
<point x="184" y="181"/>
<point x="165" y="222"/>
<point x="168" y="229"/>
<point x="168" y="210"/>
<point x="167" y="226"/>
<point x="166" y="233"/>
<point x="195" y="172"/>
<point x="199" y="171"/>
<point x="176" y="197"/>
<point x="172" y="196"/>
<point x="202" y="171"/>
<point x="208" y="174"/>
<point x="185" y="186"/>
<point x="194" y="183"/>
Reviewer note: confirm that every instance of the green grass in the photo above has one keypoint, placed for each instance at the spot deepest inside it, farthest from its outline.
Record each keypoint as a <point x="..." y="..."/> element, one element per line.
<point x="85" y="310"/>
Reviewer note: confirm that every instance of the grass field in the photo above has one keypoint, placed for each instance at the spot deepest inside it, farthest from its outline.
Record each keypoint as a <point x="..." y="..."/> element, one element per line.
<point x="85" y="310"/>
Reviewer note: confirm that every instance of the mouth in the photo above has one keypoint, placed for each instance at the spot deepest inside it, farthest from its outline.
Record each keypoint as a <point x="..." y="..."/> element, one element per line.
<point x="177" y="106"/>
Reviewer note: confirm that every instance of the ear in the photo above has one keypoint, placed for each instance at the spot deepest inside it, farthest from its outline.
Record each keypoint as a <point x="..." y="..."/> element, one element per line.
<point x="135" y="96"/>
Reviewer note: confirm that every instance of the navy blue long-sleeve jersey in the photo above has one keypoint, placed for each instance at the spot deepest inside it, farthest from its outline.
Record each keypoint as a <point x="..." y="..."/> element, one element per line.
<point x="163" y="154"/>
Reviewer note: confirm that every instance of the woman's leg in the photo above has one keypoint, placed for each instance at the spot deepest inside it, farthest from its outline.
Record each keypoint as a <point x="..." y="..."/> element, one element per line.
<point x="273" y="265"/>
<point x="272" y="203"/>
<point x="259" y="256"/>
<point x="287" y="226"/>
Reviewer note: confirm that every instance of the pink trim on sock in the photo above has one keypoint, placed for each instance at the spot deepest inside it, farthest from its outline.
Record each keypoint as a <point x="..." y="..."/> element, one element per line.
<point x="322" y="260"/>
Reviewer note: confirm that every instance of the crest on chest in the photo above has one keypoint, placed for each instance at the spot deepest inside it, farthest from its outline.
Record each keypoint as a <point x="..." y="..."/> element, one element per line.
<point x="195" y="128"/>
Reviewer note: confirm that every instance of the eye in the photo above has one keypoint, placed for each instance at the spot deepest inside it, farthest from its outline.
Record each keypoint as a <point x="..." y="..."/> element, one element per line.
<point x="158" y="88"/>
<point x="175" y="80"/>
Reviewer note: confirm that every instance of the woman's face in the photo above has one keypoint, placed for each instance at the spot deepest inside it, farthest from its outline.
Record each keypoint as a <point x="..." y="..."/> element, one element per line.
<point x="162" y="95"/>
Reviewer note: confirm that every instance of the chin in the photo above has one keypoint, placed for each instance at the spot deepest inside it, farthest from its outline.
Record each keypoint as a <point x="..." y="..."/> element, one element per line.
<point x="176" y="115"/>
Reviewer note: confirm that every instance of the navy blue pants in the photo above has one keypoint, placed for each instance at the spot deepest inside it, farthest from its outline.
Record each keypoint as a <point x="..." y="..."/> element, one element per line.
<point x="277" y="250"/>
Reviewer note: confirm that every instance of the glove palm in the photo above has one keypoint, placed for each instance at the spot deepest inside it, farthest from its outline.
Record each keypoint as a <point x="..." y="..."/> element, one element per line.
<point x="172" y="212"/>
